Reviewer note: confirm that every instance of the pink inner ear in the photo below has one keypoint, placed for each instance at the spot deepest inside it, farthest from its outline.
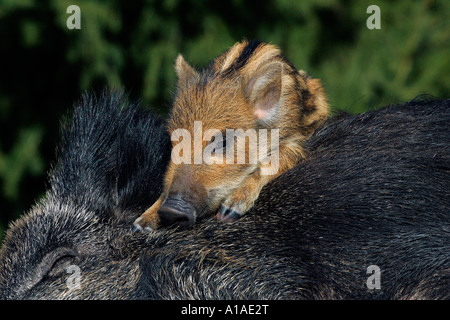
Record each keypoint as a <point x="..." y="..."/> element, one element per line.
<point x="264" y="90"/>
<point x="260" y="114"/>
<point x="267" y="105"/>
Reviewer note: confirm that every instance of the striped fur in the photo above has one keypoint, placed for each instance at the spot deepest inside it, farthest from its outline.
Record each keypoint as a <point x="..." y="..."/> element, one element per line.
<point x="250" y="86"/>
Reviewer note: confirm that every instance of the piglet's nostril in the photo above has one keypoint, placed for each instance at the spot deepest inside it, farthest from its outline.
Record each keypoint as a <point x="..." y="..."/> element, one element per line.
<point x="177" y="212"/>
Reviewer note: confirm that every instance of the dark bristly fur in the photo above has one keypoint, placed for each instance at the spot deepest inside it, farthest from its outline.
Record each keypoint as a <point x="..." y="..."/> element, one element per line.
<point x="108" y="153"/>
<point x="96" y="149"/>
<point x="374" y="191"/>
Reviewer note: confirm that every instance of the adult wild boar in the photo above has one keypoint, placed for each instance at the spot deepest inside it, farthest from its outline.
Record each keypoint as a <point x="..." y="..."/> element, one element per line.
<point x="366" y="216"/>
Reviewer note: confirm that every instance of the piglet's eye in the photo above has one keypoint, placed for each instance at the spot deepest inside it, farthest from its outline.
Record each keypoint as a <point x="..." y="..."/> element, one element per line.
<point x="218" y="143"/>
<point x="222" y="144"/>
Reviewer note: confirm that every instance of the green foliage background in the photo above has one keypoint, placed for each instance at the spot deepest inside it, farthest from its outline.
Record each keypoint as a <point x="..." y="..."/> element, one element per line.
<point x="133" y="44"/>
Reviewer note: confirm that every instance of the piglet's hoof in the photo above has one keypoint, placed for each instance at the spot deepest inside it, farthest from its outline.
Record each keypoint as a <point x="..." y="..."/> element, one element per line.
<point x="145" y="224"/>
<point x="227" y="215"/>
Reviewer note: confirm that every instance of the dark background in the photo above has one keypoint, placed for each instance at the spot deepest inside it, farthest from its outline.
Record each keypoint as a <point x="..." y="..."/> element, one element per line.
<point x="44" y="66"/>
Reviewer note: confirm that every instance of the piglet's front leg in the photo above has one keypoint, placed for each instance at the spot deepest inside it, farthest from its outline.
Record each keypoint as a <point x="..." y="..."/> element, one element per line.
<point x="149" y="220"/>
<point x="243" y="197"/>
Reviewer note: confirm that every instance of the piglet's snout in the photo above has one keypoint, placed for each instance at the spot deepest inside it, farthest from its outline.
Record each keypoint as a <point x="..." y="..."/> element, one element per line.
<point x="177" y="212"/>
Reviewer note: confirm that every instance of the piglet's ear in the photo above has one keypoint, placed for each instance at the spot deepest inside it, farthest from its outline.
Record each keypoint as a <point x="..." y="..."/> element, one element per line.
<point x="185" y="71"/>
<point x="263" y="89"/>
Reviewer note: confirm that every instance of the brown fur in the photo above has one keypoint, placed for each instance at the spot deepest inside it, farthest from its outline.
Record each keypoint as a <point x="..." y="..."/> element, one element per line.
<point x="250" y="86"/>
